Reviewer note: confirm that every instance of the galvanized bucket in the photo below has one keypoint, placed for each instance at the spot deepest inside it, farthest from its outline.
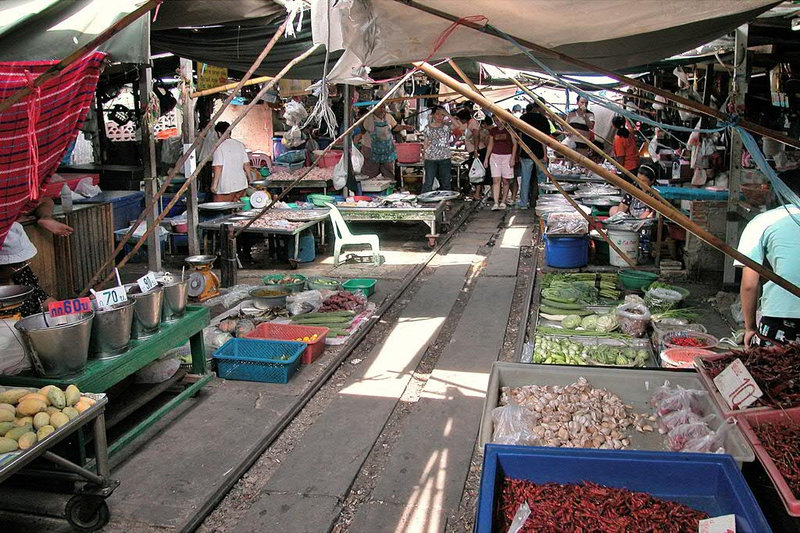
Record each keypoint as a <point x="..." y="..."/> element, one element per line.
<point x="58" y="346"/>
<point x="175" y="298"/>
<point x="146" y="311"/>
<point x="111" y="330"/>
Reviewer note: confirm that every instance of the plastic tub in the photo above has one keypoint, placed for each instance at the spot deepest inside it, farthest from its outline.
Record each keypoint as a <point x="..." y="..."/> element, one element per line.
<point x="627" y="241"/>
<point x="320" y="200"/>
<point x="634" y="386"/>
<point x="294" y="286"/>
<point x="790" y="500"/>
<point x="635" y="280"/>
<point x="709" y="340"/>
<point x="288" y="332"/>
<point x="706" y="482"/>
<point x="566" y="251"/>
<point x="321" y="283"/>
<point x="364" y="286"/>
<point x="258" y="360"/>
<point x="408" y="152"/>
<point x="708" y="383"/>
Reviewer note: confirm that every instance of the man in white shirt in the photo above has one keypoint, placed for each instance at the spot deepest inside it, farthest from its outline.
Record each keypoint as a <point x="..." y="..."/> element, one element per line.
<point x="231" y="168"/>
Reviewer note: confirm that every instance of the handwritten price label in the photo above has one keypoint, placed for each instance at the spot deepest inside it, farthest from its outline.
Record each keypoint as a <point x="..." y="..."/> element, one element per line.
<point x="111" y="297"/>
<point x="69" y="307"/>
<point x="737" y="386"/>
<point x="147" y="282"/>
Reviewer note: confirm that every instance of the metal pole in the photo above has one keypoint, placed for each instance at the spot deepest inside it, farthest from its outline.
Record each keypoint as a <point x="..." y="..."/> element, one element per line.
<point x="101" y="446"/>
<point x="735" y="174"/>
<point x="150" y="181"/>
<point x="187" y="73"/>
<point x="348" y="140"/>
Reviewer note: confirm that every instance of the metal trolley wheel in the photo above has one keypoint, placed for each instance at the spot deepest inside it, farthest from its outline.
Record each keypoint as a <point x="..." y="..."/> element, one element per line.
<point x="87" y="513"/>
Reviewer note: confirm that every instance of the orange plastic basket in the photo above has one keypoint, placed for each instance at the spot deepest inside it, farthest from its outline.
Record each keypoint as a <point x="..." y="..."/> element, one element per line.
<point x="289" y="332"/>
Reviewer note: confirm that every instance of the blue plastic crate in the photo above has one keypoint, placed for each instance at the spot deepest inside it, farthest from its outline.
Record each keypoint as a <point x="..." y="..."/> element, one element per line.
<point x="708" y="482"/>
<point x="257" y="360"/>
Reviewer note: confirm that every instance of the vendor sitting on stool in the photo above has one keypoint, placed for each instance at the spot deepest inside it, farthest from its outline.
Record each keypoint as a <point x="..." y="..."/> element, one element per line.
<point x="17" y="250"/>
<point x="648" y="174"/>
<point x="231" y="168"/>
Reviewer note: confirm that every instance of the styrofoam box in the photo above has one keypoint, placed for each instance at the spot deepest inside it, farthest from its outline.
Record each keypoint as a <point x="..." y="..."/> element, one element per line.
<point x="634" y="386"/>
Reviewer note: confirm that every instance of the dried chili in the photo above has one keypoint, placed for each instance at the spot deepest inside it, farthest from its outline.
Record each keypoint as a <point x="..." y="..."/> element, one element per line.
<point x="781" y="440"/>
<point x="776" y="369"/>
<point x="689" y="342"/>
<point x="591" y="508"/>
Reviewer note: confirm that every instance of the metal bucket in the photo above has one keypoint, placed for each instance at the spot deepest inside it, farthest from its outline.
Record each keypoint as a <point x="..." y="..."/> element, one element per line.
<point x="111" y="330"/>
<point x="146" y="311"/>
<point x="59" y="344"/>
<point x="175" y="298"/>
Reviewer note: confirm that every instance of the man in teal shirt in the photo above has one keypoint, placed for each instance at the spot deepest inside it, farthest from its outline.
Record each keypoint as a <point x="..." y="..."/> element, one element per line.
<point x="772" y="239"/>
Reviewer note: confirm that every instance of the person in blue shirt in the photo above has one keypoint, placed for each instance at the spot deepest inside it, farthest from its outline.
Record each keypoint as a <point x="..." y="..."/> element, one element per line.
<point x="771" y="239"/>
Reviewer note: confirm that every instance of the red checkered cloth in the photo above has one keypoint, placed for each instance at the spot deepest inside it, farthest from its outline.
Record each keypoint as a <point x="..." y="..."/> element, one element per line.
<point x="36" y="132"/>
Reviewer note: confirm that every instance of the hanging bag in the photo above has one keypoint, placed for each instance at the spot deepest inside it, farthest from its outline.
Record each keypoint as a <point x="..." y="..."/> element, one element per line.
<point x="476" y="171"/>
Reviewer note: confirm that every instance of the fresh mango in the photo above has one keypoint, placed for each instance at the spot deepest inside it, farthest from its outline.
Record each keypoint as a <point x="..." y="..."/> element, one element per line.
<point x="27" y="440"/>
<point x="17" y="432"/>
<point x="51" y="410"/>
<point x="24" y="421"/>
<point x="35" y="396"/>
<point x="57" y="398"/>
<point x="72" y="395"/>
<point x="58" y="419"/>
<point x="82" y="405"/>
<point x="5" y="427"/>
<point x="8" y="407"/>
<point x="71" y="412"/>
<point x="12" y="396"/>
<point x="43" y="391"/>
<point x="8" y="445"/>
<point x="87" y="399"/>
<point x="41" y="420"/>
<point x="30" y="407"/>
<point x="5" y="416"/>
<point x="44" y="432"/>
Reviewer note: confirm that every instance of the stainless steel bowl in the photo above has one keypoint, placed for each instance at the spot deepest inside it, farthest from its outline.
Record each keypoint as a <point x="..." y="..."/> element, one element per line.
<point x="14" y="294"/>
<point x="175" y="298"/>
<point x="61" y="344"/>
<point x="200" y="260"/>
<point x="146" y="311"/>
<point x="111" y="330"/>
<point x="266" y="298"/>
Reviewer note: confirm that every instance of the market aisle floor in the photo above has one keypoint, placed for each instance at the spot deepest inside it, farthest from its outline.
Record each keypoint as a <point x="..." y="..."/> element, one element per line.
<point x="423" y="481"/>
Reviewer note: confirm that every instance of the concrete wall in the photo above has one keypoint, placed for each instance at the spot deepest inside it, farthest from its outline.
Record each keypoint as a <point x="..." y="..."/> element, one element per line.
<point x="255" y="130"/>
<point x="698" y="255"/>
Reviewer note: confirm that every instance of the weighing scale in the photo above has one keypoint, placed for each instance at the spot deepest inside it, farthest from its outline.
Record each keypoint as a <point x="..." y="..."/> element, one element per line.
<point x="11" y="299"/>
<point x="203" y="283"/>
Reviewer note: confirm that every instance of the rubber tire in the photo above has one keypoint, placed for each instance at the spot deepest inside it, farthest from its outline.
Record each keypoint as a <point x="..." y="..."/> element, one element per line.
<point x="77" y="505"/>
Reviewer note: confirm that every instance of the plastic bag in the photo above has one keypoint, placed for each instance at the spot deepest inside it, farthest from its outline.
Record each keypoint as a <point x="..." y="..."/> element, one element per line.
<point x="304" y="302"/>
<point x="670" y="421"/>
<point x="712" y="442"/>
<point x="476" y="171"/>
<point x="667" y="400"/>
<point x="86" y="189"/>
<point x="633" y="319"/>
<point x="339" y="175"/>
<point x="520" y="517"/>
<point x="356" y="159"/>
<point x="567" y="223"/>
<point x="681" y="436"/>
<point x="511" y="425"/>
<point x="659" y="300"/>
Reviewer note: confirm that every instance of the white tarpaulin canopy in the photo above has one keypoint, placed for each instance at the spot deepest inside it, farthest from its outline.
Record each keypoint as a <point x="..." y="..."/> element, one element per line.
<point x="615" y="34"/>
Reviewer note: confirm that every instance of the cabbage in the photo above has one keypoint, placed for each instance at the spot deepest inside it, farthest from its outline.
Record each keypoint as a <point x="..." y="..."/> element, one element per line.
<point x="606" y="323"/>
<point x="571" y="321"/>
<point x="589" y="322"/>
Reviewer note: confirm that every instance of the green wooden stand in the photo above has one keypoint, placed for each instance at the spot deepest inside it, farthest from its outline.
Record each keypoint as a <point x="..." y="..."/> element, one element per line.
<point x="99" y="375"/>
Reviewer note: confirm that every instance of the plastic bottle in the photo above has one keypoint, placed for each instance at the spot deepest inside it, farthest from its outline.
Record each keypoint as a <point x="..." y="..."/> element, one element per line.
<point x="66" y="199"/>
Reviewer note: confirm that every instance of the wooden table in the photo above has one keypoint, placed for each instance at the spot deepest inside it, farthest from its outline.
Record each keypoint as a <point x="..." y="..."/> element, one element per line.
<point x="101" y="375"/>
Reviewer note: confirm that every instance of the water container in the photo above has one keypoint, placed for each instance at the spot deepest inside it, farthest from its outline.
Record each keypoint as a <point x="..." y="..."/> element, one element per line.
<point x="627" y="241"/>
<point x="277" y="147"/>
<point x="66" y="199"/>
<point x="307" y="249"/>
<point x="566" y="251"/>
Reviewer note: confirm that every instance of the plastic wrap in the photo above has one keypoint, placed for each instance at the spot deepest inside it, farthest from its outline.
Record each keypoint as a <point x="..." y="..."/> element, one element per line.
<point x="633" y="319"/>
<point x="512" y="425"/>
<point x="660" y="300"/>
<point x="304" y="302"/>
<point x="567" y="223"/>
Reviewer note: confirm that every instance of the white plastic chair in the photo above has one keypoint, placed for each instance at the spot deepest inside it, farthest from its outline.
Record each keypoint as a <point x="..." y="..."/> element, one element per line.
<point x="345" y="238"/>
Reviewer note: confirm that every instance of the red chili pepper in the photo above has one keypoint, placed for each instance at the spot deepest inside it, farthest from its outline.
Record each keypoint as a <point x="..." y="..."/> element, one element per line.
<point x="781" y="440"/>
<point x="690" y="342"/>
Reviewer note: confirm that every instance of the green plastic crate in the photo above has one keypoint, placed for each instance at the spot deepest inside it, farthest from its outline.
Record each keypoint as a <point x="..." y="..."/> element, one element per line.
<point x="363" y="285"/>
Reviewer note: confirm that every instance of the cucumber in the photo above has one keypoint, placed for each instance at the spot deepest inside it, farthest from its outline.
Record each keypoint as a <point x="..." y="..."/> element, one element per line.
<point x="560" y="305"/>
<point x="555" y="311"/>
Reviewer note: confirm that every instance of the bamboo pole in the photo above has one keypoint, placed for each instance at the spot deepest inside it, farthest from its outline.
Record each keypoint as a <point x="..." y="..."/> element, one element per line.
<point x="590" y="219"/>
<point x="221" y="88"/>
<point x="149" y="202"/>
<point x="325" y="151"/>
<point x="634" y="191"/>
<point x="56" y="69"/>
<point x="704" y="109"/>
<point x="225" y="135"/>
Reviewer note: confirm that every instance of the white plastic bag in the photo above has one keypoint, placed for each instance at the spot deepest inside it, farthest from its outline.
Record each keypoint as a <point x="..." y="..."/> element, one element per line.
<point x="512" y="425"/>
<point x="86" y="189"/>
<point x="356" y="159"/>
<point x="476" y="171"/>
<point x="304" y="302"/>
<point x="339" y="175"/>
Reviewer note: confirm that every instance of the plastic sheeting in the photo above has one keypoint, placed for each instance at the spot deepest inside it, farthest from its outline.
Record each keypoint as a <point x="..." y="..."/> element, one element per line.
<point x="615" y="34"/>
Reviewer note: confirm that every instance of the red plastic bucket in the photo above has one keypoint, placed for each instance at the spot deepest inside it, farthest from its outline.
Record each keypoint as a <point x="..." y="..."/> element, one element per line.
<point x="409" y="152"/>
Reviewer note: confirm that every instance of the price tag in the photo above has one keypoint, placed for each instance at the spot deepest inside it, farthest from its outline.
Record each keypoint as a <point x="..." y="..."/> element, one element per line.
<point x="718" y="524"/>
<point x="110" y="297"/>
<point x="69" y="307"/>
<point x="737" y="386"/>
<point x="147" y="282"/>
